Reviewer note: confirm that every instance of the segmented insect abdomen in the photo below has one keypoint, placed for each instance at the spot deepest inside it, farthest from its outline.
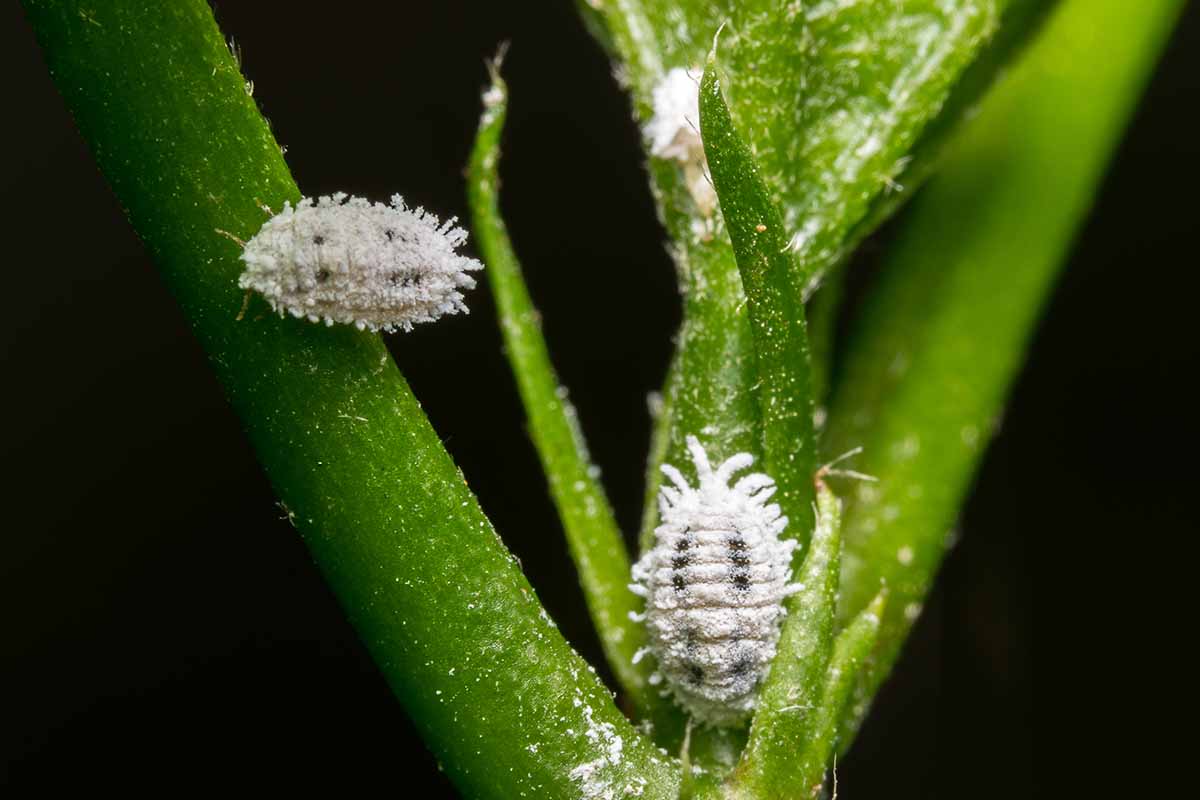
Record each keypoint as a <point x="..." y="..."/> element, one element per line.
<point x="346" y="260"/>
<point x="714" y="584"/>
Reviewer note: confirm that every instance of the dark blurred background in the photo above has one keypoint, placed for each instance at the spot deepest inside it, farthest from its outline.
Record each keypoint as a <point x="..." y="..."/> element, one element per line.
<point x="163" y="626"/>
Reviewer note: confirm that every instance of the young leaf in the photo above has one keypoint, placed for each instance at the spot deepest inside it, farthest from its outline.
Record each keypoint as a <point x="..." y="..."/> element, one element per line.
<point x="774" y="302"/>
<point x="442" y="606"/>
<point x="791" y="703"/>
<point x="592" y="533"/>
<point x="1020" y="21"/>
<point x="941" y="337"/>
<point x="878" y="73"/>
<point x="850" y="653"/>
<point x="832" y="96"/>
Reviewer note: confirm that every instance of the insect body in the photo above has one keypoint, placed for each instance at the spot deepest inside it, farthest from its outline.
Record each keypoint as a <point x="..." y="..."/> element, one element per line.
<point x="673" y="133"/>
<point x="347" y="260"/>
<point x="714" y="584"/>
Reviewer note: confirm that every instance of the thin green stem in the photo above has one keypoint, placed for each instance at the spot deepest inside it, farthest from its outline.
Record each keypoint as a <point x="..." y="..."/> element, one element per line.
<point x="851" y="653"/>
<point x="791" y="702"/>
<point x="591" y="529"/>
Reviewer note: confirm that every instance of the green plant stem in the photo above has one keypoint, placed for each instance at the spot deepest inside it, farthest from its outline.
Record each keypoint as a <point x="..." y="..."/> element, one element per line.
<point x="791" y="700"/>
<point x="941" y="337"/>
<point x="851" y="651"/>
<point x="499" y="696"/>
<point x="592" y="532"/>
<point x="708" y="393"/>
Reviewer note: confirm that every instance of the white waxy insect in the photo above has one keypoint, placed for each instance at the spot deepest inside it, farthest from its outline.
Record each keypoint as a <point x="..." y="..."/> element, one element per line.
<point x="673" y="133"/>
<point x="347" y="260"/>
<point x="714" y="584"/>
<point x="674" y="130"/>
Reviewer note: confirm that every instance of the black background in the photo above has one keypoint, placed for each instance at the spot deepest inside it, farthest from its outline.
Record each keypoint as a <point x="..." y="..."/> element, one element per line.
<point x="162" y="626"/>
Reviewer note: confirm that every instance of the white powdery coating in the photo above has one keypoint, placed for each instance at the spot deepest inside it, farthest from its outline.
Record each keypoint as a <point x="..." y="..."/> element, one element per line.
<point x="674" y="130"/>
<point x="714" y="584"/>
<point x="603" y="778"/>
<point x="674" y="133"/>
<point x="347" y="260"/>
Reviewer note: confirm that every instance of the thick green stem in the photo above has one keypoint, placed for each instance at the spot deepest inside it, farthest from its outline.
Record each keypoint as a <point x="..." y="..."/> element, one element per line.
<point x="502" y="700"/>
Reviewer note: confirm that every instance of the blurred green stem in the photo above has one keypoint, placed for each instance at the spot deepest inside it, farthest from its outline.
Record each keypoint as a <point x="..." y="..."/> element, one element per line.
<point x="940" y="339"/>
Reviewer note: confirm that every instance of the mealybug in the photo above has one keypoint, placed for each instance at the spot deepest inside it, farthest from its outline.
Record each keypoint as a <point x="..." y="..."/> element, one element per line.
<point x="345" y="259"/>
<point x="714" y="584"/>
<point x="674" y="130"/>
<point x="674" y="133"/>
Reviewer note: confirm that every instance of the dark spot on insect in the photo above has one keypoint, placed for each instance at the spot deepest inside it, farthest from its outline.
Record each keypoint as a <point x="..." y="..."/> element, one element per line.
<point x="390" y="234"/>
<point x="740" y="559"/>
<point x="695" y="672"/>
<point x="690" y="638"/>
<point x="318" y="240"/>
<point x="678" y="582"/>
<point x="680" y="561"/>
<point x="740" y="579"/>
<point x="405" y="279"/>
<point x="322" y="275"/>
<point x="742" y="666"/>
<point x="682" y="543"/>
<point x="735" y="543"/>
